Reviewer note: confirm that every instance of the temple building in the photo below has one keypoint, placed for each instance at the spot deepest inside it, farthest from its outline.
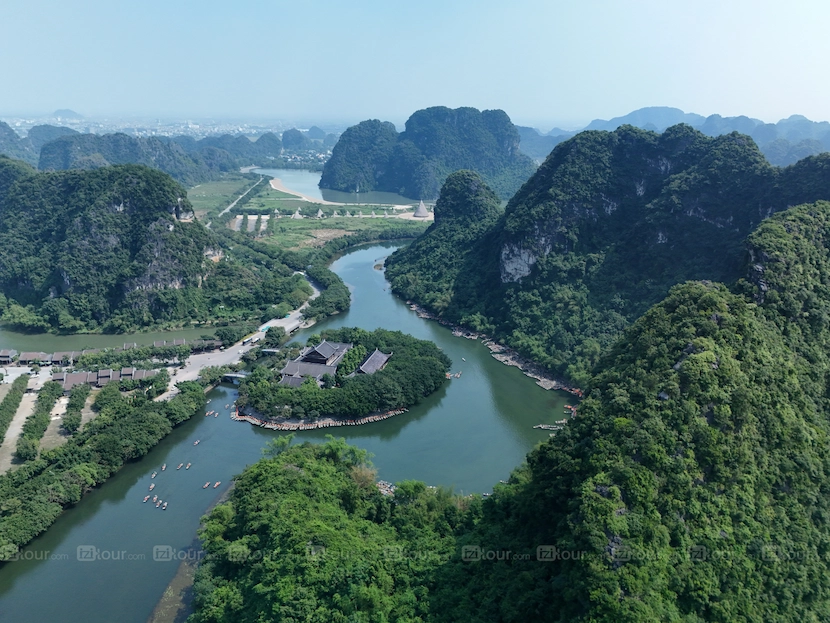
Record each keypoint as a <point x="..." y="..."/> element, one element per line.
<point x="374" y="362"/>
<point x="314" y="361"/>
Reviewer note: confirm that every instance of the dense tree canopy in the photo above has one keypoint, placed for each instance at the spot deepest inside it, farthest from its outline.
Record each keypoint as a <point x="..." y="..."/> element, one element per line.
<point x="604" y="228"/>
<point x="116" y="249"/>
<point x="691" y="486"/>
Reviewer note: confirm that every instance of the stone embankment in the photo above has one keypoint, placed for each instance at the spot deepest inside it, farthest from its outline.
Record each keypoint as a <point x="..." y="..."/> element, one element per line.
<point x="502" y="353"/>
<point x="326" y="422"/>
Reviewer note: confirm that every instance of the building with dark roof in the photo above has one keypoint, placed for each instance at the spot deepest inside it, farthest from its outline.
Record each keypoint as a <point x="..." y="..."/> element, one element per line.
<point x="33" y="357"/>
<point x="327" y="353"/>
<point x="374" y="362"/>
<point x="315" y="362"/>
<point x="68" y="380"/>
<point x="6" y="355"/>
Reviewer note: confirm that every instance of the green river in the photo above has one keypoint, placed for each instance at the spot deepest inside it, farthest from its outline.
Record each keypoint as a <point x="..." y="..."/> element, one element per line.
<point x="110" y="558"/>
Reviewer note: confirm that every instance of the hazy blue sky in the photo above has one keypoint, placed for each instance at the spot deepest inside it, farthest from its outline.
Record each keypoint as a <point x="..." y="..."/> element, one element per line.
<point x="544" y="62"/>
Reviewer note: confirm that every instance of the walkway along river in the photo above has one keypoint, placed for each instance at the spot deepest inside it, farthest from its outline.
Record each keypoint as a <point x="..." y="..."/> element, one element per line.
<point x="110" y="557"/>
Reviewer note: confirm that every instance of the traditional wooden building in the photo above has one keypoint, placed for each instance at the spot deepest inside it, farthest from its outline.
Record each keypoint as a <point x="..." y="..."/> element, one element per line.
<point x="374" y="362"/>
<point x="315" y="362"/>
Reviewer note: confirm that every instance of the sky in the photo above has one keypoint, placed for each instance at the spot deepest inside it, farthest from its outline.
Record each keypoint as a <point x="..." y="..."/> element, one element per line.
<point x="545" y="62"/>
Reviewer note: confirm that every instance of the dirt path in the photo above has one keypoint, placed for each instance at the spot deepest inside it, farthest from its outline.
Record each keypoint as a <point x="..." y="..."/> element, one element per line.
<point x="233" y="354"/>
<point x="235" y="201"/>
<point x="54" y="437"/>
<point x="27" y="406"/>
<point x="87" y="413"/>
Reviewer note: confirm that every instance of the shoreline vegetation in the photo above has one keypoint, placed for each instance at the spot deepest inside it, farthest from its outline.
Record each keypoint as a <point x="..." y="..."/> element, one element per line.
<point x="502" y="353"/>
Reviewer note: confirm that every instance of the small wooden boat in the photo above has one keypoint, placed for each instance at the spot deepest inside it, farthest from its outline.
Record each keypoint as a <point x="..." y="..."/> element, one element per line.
<point x="164" y="506"/>
<point x="218" y="482"/>
<point x="153" y="475"/>
<point x="146" y="497"/>
<point x="163" y="467"/>
<point x="158" y="503"/>
<point x="152" y="486"/>
<point x="196" y="443"/>
<point x="462" y="359"/>
<point x="155" y="499"/>
<point x="180" y="465"/>
<point x="206" y="485"/>
<point x="216" y="414"/>
<point x="187" y="466"/>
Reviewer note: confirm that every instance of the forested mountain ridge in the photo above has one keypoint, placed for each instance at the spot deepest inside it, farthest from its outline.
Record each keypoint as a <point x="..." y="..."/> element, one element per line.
<point x="783" y="143"/>
<point x="427" y="270"/>
<point x="435" y="142"/>
<point x="691" y="486"/>
<point x="91" y="151"/>
<point x="184" y="158"/>
<point x="13" y="146"/>
<point x="607" y="225"/>
<point x="115" y="249"/>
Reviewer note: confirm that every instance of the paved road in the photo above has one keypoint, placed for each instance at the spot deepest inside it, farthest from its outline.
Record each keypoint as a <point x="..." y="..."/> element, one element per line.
<point x="233" y="354"/>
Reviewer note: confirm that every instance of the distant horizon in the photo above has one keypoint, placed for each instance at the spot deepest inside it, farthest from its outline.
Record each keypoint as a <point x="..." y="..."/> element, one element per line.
<point x="542" y="126"/>
<point x="546" y="64"/>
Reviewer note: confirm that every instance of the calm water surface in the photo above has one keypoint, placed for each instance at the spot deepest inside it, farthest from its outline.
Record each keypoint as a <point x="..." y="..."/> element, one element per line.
<point x="468" y="435"/>
<point x="306" y="183"/>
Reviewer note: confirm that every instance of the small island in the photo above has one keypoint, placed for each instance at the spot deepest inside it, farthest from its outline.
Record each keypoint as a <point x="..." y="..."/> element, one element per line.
<point x="343" y="377"/>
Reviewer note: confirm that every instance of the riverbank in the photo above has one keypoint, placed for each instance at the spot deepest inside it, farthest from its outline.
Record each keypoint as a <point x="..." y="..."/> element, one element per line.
<point x="176" y="603"/>
<point x="293" y="424"/>
<point x="276" y="184"/>
<point x="502" y="353"/>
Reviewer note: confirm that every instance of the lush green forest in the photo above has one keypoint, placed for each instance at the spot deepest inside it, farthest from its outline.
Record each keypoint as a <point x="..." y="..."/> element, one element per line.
<point x="600" y="233"/>
<point x="306" y="536"/>
<point x="436" y="142"/>
<point x="416" y="369"/>
<point x="691" y="486"/>
<point x="427" y="270"/>
<point x="116" y="249"/>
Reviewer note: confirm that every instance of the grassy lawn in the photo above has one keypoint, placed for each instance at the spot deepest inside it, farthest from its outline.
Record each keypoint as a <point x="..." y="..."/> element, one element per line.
<point x="215" y="196"/>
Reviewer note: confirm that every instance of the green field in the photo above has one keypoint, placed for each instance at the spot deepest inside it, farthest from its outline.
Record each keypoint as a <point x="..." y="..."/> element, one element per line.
<point x="309" y="233"/>
<point x="217" y="195"/>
